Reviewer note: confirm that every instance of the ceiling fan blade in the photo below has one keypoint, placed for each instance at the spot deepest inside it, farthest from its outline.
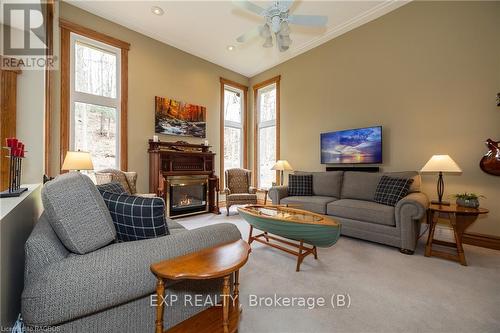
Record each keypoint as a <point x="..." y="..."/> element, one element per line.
<point x="310" y="20"/>
<point x="245" y="4"/>
<point x="285" y="5"/>
<point x="250" y="34"/>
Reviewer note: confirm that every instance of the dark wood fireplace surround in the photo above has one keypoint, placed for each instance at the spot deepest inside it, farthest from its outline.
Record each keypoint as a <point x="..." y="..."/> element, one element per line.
<point x="182" y="159"/>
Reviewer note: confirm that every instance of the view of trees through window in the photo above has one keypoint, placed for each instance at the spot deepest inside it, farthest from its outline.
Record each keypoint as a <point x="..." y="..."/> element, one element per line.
<point x="233" y="128"/>
<point x="95" y="102"/>
<point x="95" y="132"/>
<point x="266" y="113"/>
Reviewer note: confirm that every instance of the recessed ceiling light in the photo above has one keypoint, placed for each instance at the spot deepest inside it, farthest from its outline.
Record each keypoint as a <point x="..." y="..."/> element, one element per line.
<point x="157" y="10"/>
<point x="230" y="48"/>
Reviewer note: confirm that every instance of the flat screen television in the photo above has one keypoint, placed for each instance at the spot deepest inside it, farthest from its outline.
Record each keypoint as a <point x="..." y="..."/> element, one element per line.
<point x="353" y="146"/>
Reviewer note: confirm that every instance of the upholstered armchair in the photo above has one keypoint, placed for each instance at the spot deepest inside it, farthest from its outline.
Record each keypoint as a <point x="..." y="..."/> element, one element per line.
<point x="127" y="179"/>
<point x="238" y="190"/>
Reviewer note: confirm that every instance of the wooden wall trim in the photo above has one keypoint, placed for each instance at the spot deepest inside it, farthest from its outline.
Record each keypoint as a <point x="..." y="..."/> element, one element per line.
<point x="262" y="84"/>
<point x="255" y="88"/>
<point x="487" y="241"/>
<point x="78" y="29"/>
<point x="255" y="141"/>
<point x="244" y="88"/>
<point x="65" y="96"/>
<point x="221" y="136"/>
<point x="13" y="65"/>
<point x="278" y="125"/>
<point x="49" y="79"/>
<point x="66" y="29"/>
<point x="124" y="111"/>
<point x="233" y="84"/>
<point x="8" y="115"/>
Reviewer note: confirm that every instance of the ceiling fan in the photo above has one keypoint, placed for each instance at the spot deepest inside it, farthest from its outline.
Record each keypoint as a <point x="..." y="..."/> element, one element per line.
<point x="277" y="19"/>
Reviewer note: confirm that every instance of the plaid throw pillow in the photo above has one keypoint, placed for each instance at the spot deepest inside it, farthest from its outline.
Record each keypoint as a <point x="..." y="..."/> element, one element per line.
<point x="390" y="190"/>
<point x="136" y="217"/>
<point x="113" y="187"/>
<point x="300" y="185"/>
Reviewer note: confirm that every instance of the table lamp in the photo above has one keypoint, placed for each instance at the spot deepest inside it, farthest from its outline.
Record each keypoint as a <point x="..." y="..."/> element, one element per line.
<point x="441" y="164"/>
<point x="77" y="160"/>
<point x="282" y="165"/>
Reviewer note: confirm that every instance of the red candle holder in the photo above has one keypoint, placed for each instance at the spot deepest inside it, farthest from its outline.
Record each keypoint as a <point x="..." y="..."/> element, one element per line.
<point x="15" y="156"/>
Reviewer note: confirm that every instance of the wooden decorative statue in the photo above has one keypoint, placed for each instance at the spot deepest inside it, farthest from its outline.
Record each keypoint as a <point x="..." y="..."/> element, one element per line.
<point x="490" y="163"/>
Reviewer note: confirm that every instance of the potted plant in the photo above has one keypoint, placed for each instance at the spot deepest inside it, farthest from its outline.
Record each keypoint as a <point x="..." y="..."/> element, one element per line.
<point x="468" y="199"/>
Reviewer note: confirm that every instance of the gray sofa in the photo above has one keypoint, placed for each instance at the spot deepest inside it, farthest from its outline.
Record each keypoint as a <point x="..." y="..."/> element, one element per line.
<point x="348" y="197"/>
<point x="106" y="289"/>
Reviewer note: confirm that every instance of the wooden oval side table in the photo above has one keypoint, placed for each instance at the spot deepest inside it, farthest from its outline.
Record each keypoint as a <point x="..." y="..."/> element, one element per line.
<point x="211" y="263"/>
<point x="460" y="219"/>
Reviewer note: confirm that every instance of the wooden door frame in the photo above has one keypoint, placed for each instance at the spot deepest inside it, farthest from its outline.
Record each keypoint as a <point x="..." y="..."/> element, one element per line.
<point x="226" y="82"/>
<point x="49" y="81"/>
<point x="8" y="112"/>
<point x="67" y="28"/>
<point x="274" y="80"/>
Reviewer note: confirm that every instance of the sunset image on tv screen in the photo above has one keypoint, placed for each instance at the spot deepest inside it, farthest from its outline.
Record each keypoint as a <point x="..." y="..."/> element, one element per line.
<point x="362" y="145"/>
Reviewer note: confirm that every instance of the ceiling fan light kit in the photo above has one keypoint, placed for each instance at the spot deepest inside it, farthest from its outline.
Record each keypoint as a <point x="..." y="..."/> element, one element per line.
<point x="268" y="42"/>
<point x="277" y="20"/>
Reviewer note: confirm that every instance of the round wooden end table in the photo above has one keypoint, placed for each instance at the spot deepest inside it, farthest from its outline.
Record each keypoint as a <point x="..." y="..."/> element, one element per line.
<point x="460" y="219"/>
<point x="222" y="261"/>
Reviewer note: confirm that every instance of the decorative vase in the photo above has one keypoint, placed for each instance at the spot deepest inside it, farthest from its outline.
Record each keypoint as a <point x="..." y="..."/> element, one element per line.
<point x="470" y="203"/>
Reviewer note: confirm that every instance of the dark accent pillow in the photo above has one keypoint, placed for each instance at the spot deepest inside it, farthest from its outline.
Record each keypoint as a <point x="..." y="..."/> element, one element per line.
<point x="113" y="187"/>
<point x="300" y="185"/>
<point x="135" y="217"/>
<point x="390" y="190"/>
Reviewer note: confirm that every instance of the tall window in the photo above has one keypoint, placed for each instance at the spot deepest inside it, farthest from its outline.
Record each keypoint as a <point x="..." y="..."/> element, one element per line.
<point x="266" y="131"/>
<point x="95" y="100"/>
<point x="233" y="133"/>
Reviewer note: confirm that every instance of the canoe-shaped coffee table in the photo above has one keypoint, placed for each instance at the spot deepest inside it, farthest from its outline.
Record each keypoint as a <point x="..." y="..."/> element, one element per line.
<point x="293" y="224"/>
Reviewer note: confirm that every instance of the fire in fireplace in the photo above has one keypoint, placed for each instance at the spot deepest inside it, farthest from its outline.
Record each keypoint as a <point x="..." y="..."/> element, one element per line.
<point x="185" y="201"/>
<point x="186" y="195"/>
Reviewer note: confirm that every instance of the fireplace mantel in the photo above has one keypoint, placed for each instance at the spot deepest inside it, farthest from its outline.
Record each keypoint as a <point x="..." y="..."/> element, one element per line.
<point x="167" y="159"/>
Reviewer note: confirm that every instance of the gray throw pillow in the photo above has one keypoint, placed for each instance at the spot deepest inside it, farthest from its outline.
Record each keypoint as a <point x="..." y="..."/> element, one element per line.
<point x="77" y="213"/>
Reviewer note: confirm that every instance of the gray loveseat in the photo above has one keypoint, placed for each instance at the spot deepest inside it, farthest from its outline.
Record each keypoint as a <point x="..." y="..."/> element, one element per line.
<point x="107" y="288"/>
<point x="348" y="197"/>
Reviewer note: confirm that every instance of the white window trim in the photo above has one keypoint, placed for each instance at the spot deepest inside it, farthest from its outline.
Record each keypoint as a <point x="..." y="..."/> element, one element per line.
<point x="233" y="124"/>
<point x="264" y="124"/>
<point x="81" y="97"/>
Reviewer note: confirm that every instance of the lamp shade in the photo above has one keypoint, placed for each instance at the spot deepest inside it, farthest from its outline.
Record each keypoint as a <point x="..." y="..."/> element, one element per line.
<point x="441" y="163"/>
<point x="282" y="165"/>
<point x="77" y="160"/>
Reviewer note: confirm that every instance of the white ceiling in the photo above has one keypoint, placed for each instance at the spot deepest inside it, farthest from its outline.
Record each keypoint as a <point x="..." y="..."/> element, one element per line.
<point x="206" y="28"/>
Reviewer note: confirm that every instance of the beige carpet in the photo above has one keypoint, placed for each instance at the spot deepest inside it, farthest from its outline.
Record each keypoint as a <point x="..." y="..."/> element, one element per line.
<point x="389" y="291"/>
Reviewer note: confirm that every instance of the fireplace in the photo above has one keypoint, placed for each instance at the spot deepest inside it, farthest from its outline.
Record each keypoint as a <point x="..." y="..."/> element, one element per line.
<point x="183" y="174"/>
<point x="186" y="195"/>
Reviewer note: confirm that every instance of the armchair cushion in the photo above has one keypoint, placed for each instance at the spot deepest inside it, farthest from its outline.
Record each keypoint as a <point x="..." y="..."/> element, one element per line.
<point x="136" y="217"/>
<point x="103" y="177"/>
<point x="242" y="197"/>
<point x="238" y="180"/>
<point x="77" y="213"/>
<point x="113" y="187"/>
<point x="131" y="177"/>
